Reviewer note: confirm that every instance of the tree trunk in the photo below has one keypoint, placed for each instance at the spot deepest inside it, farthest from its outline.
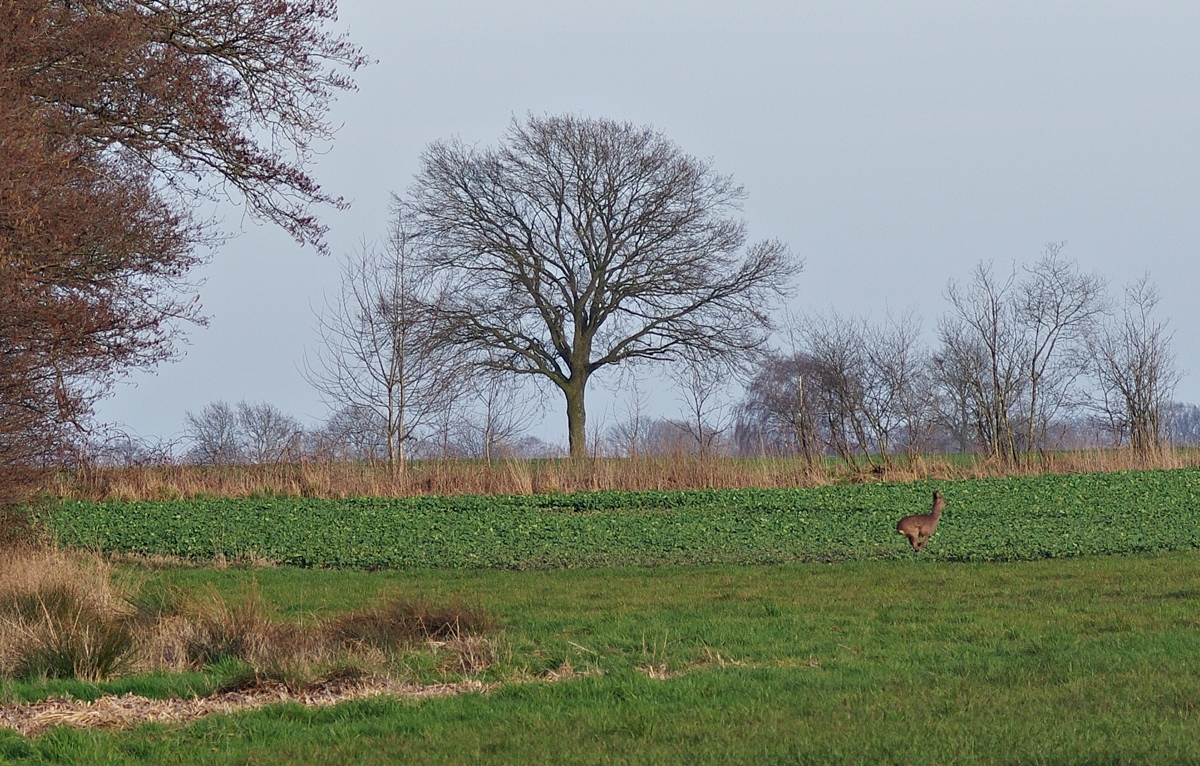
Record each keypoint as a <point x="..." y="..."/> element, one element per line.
<point x="576" y="417"/>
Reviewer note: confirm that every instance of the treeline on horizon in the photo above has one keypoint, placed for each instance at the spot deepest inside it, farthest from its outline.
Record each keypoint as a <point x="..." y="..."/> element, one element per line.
<point x="1041" y="358"/>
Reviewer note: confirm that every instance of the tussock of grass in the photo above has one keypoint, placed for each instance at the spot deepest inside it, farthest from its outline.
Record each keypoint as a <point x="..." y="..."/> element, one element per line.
<point x="208" y="629"/>
<point x="69" y="616"/>
<point x="394" y="621"/>
<point x="63" y="616"/>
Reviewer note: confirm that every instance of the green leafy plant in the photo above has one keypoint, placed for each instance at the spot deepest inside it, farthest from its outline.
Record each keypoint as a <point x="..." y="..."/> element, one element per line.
<point x="985" y="520"/>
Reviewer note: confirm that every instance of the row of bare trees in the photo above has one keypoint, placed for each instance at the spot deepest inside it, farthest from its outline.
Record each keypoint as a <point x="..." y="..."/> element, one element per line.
<point x="575" y="246"/>
<point x="260" y="433"/>
<point x="1038" y="358"/>
<point x="1025" y="361"/>
<point x="1057" y="364"/>
<point x="846" y="387"/>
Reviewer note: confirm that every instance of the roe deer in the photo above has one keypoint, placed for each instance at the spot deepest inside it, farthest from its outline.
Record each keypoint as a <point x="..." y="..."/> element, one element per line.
<point x="921" y="525"/>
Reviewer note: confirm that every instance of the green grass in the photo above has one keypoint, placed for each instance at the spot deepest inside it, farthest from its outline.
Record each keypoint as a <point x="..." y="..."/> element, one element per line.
<point x="154" y="686"/>
<point x="986" y="520"/>
<point x="1081" y="660"/>
<point x="1015" y="638"/>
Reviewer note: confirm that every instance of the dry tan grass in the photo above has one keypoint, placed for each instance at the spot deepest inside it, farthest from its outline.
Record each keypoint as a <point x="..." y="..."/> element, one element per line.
<point x="90" y="579"/>
<point x="119" y="712"/>
<point x="63" y="615"/>
<point x="458" y="477"/>
<point x="209" y="628"/>
<point x="204" y="628"/>
<point x="71" y="615"/>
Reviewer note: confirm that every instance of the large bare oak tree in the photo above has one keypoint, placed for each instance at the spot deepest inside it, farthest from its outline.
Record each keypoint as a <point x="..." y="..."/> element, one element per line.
<point x="581" y="243"/>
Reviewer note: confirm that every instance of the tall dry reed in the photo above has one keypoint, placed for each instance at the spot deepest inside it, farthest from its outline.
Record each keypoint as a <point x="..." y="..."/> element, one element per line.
<point x="459" y="477"/>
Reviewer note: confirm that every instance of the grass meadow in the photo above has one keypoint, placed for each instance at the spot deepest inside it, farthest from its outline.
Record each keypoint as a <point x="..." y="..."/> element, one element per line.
<point x="1084" y="648"/>
<point x="1081" y="660"/>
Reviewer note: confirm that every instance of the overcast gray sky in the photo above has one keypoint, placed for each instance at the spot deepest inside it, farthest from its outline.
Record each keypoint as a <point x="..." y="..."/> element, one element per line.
<point x="891" y="144"/>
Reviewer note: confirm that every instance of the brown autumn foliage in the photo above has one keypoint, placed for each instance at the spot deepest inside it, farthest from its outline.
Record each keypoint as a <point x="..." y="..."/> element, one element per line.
<point x="116" y="118"/>
<point x="88" y="279"/>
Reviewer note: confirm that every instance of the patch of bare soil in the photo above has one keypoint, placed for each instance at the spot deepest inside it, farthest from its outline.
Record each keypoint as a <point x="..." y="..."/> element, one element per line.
<point x="113" y="712"/>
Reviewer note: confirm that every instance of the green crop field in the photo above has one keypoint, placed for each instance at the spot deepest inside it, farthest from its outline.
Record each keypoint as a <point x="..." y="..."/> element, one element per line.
<point x="986" y="520"/>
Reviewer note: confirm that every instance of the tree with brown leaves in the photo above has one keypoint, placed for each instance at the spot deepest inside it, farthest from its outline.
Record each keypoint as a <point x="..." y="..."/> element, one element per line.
<point x="116" y="118"/>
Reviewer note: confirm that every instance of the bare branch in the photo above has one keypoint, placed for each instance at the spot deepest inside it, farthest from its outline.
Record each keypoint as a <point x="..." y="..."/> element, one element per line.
<point x="382" y="347"/>
<point x="579" y="244"/>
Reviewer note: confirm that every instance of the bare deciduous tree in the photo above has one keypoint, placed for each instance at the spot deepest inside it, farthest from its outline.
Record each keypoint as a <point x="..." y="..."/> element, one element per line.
<point x="897" y="392"/>
<point x="1183" y="424"/>
<point x="706" y="412"/>
<point x="222" y="434"/>
<point x="382" y="347"/>
<point x="960" y="377"/>
<point x="629" y="436"/>
<point x="350" y="433"/>
<point x="579" y="244"/>
<point x="869" y="383"/>
<point x="268" y="434"/>
<point x="779" y="410"/>
<point x="1135" y="368"/>
<point x="983" y="355"/>
<point x="1058" y="306"/>
<point x="1012" y="349"/>
<point x="835" y="343"/>
<point x="214" y="434"/>
<point x="501" y="411"/>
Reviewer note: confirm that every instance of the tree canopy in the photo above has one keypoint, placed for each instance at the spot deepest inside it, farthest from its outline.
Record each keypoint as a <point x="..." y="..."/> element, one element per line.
<point x="581" y="243"/>
<point x="116" y="118"/>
